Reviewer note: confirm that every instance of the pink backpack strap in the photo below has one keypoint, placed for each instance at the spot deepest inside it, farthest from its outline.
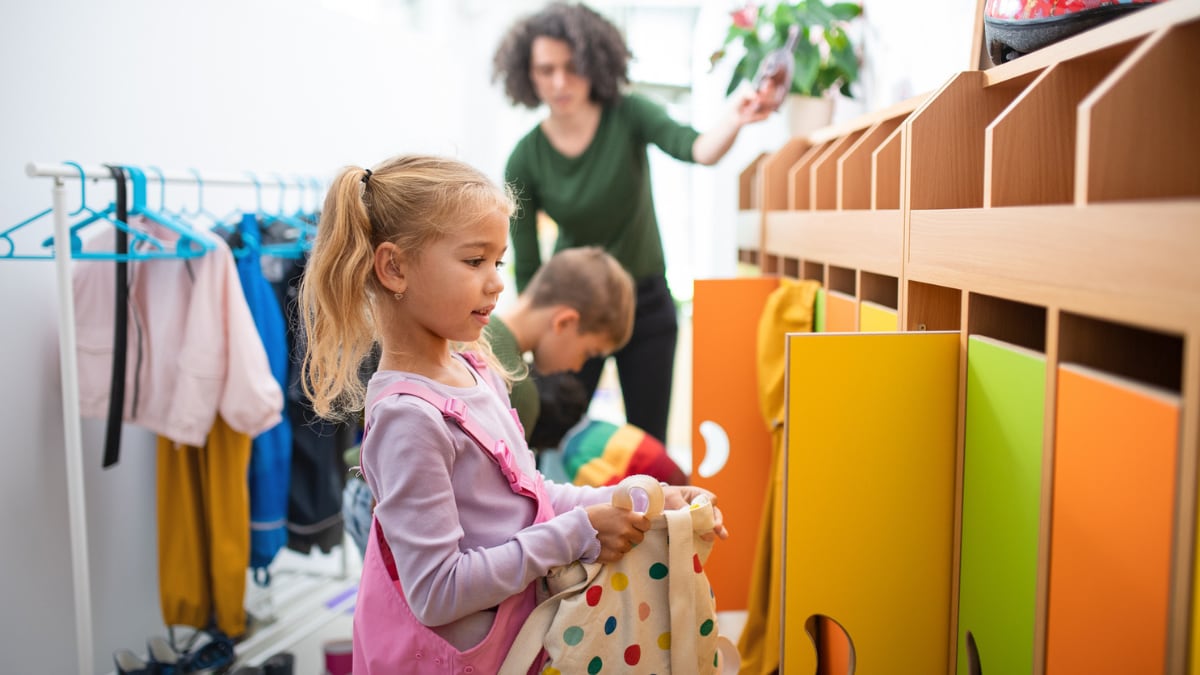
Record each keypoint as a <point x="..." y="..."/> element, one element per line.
<point x="454" y="409"/>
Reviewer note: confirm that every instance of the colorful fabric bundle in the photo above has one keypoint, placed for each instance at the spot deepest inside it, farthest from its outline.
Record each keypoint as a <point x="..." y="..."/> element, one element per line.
<point x="602" y="453"/>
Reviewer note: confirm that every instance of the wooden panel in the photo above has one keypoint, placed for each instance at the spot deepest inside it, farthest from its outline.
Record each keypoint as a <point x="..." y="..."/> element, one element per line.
<point x="1138" y="136"/>
<point x="1116" y="446"/>
<point x="1001" y="503"/>
<point x="775" y="173"/>
<point x="1139" y="265"/>
<point x="823" y="177"/>
<point x="869" y="506"/>
<point x="798" y="179"/>
<point x="1029" y="150"/>
<point x="870" y="240"/>
<point x="933" y="307"/>
<point x="876" y="318"/>
<point x="945" y="138"/>
<point x="886" y="172"/>
<point x="729" y="436"/>
<point x="841" y="312"/>
<point x="748" y="183"/>
<point x="854" y="166"/>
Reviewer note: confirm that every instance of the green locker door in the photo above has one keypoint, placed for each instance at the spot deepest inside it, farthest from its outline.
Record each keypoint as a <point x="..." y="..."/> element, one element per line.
<point x="1002" y="482"/>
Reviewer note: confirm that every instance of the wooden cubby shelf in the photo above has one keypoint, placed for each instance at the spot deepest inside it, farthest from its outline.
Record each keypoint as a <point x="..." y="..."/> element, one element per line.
<point x="1048" y="211"/>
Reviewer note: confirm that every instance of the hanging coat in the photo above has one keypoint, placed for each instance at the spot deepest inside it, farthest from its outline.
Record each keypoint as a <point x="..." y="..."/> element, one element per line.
<point x="789" y="309"/>
<point x="271" y="453"/>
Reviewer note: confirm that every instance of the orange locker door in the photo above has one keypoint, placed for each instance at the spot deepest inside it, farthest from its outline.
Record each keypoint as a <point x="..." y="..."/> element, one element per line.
<point x="731" y="448"/>
<point x="1116" y="448"/>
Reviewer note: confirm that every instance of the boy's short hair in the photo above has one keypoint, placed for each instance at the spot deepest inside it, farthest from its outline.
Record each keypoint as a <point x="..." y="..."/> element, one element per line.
<point x="592" y="282"/>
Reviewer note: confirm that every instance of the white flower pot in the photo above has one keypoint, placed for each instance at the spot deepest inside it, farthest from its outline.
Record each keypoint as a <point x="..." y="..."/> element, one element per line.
<point x="806" y="114"/>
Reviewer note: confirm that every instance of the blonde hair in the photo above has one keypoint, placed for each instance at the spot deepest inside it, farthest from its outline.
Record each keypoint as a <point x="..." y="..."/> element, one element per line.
<point x="592" y="282"/>
<point x="410" y="201"/>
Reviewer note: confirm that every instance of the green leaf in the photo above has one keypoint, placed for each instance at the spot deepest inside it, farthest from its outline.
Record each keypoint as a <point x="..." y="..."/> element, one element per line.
<point x="808" y="63"/>
<point x="845" y="11"/>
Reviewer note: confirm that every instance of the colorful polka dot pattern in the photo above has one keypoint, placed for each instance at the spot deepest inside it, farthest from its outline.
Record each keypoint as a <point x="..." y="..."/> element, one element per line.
<point x="608" y="641"/>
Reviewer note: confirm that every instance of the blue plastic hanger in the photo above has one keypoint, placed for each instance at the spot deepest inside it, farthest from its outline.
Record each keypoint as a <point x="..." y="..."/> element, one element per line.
<point x="76" y="242"/>
<point x="190" y="244"/>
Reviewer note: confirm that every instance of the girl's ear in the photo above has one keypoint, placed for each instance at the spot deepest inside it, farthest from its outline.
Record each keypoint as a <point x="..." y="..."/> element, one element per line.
<point x="390" y="267"/>
<point x="563" y="318"/>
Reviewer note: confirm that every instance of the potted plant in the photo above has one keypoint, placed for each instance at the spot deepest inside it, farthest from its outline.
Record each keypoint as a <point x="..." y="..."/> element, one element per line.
<point x="825" y="60"/>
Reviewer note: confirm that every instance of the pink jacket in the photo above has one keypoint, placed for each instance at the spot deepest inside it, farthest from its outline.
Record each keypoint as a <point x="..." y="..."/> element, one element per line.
<point x="193" y="349"/>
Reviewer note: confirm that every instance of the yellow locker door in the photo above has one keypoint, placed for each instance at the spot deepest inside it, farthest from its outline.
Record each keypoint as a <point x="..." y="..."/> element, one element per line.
<point x="869" y="497"/>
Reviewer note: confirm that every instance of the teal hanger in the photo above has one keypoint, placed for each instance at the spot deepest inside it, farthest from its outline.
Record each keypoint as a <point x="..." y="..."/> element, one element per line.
<point x="200" y="211"/>
<point x="92" y="216"/>
<point x="190" y="244"/>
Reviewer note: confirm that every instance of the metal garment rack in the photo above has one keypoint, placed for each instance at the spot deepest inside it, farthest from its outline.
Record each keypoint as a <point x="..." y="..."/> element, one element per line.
<point x="72" y="427"/>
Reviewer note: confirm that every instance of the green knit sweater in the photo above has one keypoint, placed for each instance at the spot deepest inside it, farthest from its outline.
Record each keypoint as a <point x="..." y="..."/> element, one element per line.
<point x="600" y="198"/>
<point x="524" y="394"/>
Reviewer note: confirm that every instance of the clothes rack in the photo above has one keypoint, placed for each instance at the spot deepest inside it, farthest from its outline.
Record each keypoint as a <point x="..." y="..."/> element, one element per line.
<point x="72" y="427"/>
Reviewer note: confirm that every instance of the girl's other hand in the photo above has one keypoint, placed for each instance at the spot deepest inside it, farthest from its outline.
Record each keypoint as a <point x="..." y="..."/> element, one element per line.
<point x="617" y="529"/>
<point x="680" y="496"/>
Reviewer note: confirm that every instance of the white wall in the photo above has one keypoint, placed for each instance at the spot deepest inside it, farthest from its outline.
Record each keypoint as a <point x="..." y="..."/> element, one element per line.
<point x="287" y="86"/>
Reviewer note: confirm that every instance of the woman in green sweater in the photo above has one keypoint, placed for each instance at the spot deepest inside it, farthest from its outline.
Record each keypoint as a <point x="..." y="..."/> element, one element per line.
<point x="585" y="166"/>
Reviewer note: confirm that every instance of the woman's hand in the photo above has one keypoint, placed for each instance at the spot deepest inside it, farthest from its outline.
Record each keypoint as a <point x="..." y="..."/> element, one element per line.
<point x="755" y="106"/>
<point x="680" y="496"/>
<point x="618" y="530"/>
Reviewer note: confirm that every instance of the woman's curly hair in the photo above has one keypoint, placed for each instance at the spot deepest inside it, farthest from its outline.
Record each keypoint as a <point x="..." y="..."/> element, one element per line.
<point x="598" y="51"/>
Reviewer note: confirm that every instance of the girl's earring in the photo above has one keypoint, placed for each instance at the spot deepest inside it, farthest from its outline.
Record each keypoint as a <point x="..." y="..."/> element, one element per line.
<point x="398" y="296"/>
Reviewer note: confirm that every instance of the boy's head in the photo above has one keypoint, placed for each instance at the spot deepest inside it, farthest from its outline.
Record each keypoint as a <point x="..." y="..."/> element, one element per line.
<point x="593" y="301"/>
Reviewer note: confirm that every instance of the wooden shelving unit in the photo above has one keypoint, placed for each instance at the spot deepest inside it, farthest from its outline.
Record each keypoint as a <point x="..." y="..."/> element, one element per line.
<point x="1052" y="203"/>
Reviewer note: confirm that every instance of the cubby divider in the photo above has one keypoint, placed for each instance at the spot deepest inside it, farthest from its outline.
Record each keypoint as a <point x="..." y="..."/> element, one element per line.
<point x="798" y="178"/>
<point x="854" y="166"/>
<point x="1138" y="136"/>
<point x="1029" y="152"/>
<point x="887" y="171"/>
<point x="823" y="176"/>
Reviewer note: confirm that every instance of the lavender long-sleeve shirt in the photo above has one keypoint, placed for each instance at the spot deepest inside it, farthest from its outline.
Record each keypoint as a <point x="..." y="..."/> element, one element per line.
<point x="461" y="537"/>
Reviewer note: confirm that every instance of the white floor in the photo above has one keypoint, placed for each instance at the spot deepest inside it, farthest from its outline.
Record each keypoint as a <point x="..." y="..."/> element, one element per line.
<point x="312" y="597"/>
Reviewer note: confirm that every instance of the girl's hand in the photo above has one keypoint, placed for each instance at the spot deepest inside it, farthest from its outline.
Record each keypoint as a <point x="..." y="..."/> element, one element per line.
<point x="617" y="529"/>
<point x="680" y="496"/>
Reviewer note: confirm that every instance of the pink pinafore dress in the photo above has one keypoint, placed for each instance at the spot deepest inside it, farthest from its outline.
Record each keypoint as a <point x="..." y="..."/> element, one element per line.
<point x="388" y="638"/>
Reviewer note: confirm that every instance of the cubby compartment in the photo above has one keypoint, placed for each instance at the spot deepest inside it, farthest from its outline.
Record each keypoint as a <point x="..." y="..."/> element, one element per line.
<point x="854" y="166"/>
<point x="1150" y="357"/>
<point x="1029" y="149"/>
<point x="933" y="307"/>
<point x="823" y="175"/>
<point x="1138" y="136"/>
<point x="799" y="182"/>
<point x="878" y="303"/>
<point x="791" y="268"/>
<point x="1016" y="323"/>
<point x="810" y="269"/>
<point x="1112" y="530"/>
<point x="946" y="139"/>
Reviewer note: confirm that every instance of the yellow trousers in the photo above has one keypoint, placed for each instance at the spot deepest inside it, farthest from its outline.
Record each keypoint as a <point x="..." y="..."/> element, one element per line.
<point x="204" y="530"/>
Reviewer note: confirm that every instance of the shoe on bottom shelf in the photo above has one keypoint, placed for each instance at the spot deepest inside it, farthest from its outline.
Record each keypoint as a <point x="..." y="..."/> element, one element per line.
<point x="128" y="663"/>
<point x="279" y="664"/>
<point x="164" y="660"/>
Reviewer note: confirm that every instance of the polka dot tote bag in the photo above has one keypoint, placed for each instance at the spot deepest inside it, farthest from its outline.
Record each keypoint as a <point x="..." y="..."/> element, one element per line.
<point x="653" y="612"/>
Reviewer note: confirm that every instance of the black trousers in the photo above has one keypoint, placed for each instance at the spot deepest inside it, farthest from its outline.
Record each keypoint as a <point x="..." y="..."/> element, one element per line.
<point x="646" y="365"/>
